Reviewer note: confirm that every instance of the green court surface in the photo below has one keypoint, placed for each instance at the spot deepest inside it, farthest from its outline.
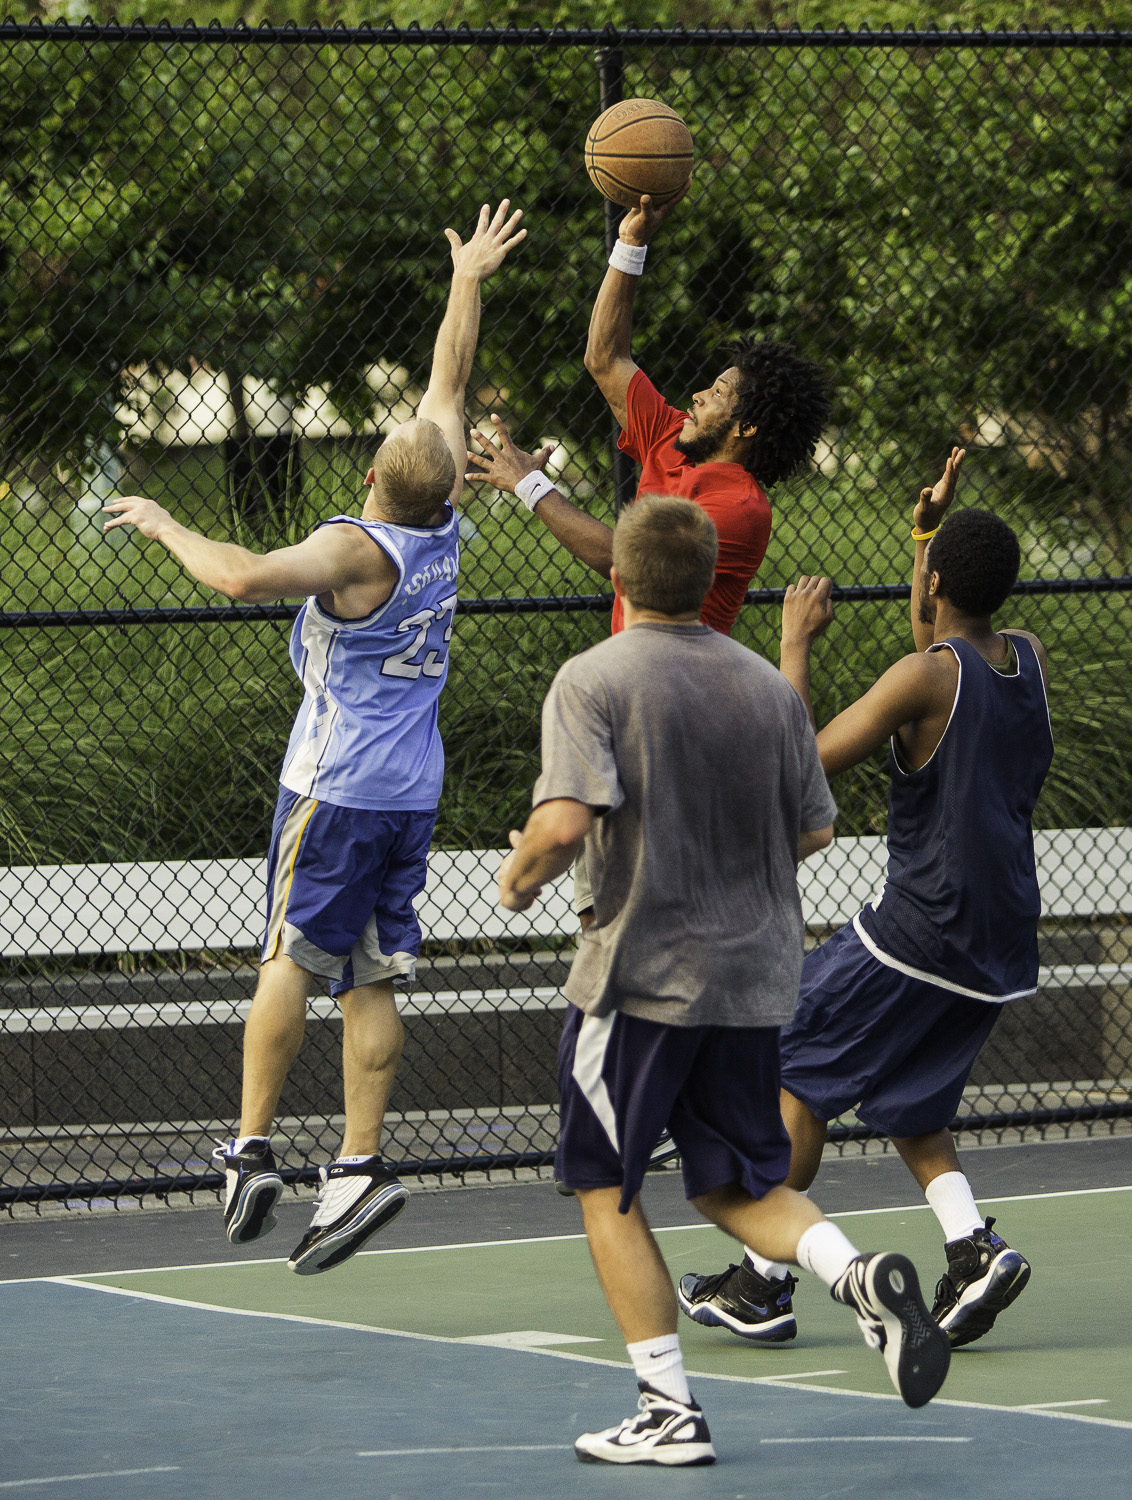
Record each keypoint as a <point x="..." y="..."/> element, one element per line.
<point x="1064" y="1347"/>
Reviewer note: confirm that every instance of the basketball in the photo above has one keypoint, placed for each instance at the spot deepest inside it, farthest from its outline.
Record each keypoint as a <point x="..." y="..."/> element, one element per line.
<point x="639" y="146"/>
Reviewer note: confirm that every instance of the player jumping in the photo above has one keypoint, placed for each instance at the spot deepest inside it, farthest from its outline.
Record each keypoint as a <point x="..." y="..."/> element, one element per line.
<point x="690" y="966"/>
<point x="361" y="777"/>
<point x="895" y="1006"/>
<point x="758" y="422"/>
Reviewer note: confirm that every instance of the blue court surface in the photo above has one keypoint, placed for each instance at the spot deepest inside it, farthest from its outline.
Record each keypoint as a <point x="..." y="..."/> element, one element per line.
<point x="457" y="1369"/>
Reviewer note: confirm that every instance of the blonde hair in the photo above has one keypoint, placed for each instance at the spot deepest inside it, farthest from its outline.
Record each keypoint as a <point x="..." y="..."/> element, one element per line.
<point x="665" y="550"/>
<point x="414" y="472"/>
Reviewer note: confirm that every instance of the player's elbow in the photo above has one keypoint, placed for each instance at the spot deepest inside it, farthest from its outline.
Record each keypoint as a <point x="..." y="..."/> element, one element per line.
<point x="243" y="583"/>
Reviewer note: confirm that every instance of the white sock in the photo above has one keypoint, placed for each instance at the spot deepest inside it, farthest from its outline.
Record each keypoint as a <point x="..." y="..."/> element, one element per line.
<point x="953" y="1204"/>
<point x="825" y="1251"/>
<point x="352" y="1161"/>
<point x="660" y="1363"/>
<point x="773" y="1270"/>
<point x="246" y="1140"/>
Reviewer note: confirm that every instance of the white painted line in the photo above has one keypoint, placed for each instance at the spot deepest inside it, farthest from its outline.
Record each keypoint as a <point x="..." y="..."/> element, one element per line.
<point x="877" y="1439"/>
<point x="525" y="1338"/>
<point x="509" y="1448"/>
<point x="1049" y="1405"/>
<point x="17" y="1484"/>
<point x="535" y="1239"/>
<point x="795" y="1375"/>
<point x="583" y="1359"/>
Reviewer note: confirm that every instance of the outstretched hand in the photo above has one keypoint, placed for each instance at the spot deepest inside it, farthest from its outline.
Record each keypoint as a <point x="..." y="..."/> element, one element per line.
<point x="932" y="504"/>
<point x="505" y="465"/>
<point x="495" y="234"/>
<point x="641" y="223"/>
<point x="136" y="510"/>
<point x="807" y="611"/>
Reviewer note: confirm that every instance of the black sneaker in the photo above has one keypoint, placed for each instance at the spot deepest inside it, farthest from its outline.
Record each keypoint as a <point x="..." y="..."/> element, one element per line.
<point x="884" y="1292"/>
<point x="741" y="1299"/>
<point x="253" y="1187"/>
<point x="663" y="1432"/>
<point x="357" y="1199"/>
<point x="983" y="1278"/>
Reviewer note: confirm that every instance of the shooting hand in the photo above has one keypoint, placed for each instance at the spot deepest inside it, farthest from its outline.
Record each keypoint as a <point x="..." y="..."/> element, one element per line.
<point x="641" y="223"/>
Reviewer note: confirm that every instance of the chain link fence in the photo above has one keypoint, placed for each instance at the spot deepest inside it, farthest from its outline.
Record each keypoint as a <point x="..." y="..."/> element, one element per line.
<point x="223" y="271"/>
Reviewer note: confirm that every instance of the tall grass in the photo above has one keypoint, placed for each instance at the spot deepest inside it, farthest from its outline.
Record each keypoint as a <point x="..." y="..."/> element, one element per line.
<point x="161" y="742"/>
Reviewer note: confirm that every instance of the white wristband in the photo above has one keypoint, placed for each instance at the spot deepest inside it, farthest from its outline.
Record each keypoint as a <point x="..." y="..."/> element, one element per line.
<point x="532" y="487"/>
<point x="628" y="258"/>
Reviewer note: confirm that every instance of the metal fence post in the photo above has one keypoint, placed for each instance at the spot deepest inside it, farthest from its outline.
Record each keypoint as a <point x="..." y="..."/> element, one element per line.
<point x="611" y="79"/>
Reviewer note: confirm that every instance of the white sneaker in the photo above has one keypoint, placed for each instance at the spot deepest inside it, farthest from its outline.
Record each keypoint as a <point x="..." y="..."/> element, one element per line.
<point x="357" y="1199"/>
<point x="665" y="1432"/>
<point x="884" y="1292"/>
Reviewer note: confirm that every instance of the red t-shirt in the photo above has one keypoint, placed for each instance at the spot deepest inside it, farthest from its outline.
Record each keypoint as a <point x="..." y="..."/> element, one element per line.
<point x="730" y="496"/>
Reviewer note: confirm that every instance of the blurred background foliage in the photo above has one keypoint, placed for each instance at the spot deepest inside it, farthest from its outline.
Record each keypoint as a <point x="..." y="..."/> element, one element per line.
<point x="948" y="231"/>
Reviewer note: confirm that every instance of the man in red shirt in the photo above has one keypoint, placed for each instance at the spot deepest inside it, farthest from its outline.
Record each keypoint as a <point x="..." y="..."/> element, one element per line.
<point x="757" y="423"/>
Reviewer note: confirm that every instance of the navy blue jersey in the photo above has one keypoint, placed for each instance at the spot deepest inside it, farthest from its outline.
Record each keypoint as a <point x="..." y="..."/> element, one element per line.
<point x="961" y="904"/>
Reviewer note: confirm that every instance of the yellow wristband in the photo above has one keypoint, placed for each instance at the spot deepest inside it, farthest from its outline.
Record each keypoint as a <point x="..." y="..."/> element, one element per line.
<point x="923" y="536"/>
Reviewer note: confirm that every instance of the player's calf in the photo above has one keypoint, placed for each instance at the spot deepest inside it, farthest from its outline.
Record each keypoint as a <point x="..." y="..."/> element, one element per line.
<point x="984" y="1276"/>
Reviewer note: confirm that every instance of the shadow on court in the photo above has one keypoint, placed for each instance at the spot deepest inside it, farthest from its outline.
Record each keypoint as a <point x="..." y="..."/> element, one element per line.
<point x="201" y="1403"/>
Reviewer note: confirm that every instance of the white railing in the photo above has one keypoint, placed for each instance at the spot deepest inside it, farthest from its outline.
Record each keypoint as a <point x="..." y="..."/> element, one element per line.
<point x="192" y="904"/>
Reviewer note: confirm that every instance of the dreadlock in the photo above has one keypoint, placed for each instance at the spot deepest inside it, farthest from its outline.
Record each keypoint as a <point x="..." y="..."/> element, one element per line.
<point x="787" y="398"/>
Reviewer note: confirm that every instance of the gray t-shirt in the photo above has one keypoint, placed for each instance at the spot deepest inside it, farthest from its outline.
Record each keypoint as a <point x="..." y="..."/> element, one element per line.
<point x="701" y="756"/>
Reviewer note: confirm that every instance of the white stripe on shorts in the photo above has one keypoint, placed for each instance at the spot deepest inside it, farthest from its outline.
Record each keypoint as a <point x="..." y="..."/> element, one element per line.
<point x="589" y="1059"/>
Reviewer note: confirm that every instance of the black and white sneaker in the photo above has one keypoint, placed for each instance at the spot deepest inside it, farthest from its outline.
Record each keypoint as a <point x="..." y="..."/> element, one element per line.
<point x="754" y="1306"/>
<point x="253" y="1187"/>
<point x="357" y="1199"/>
<point x="884" y="1292"/>
<point x="664" y="1431"/>
<point x="983" y="1278"/>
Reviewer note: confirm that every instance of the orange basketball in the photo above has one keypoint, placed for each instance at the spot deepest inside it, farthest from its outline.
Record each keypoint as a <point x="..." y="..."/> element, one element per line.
<point x="639" y="146"/>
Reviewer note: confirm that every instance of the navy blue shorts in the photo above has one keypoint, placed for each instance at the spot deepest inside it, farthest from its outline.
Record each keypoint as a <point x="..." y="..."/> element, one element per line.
<point x="622" y="1080"/>
<point x="340" y="889"/>
<point x="865" y="1036"/>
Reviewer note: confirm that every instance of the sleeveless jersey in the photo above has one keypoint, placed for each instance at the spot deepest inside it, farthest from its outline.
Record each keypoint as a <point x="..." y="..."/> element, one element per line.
<point x="366" y="732"/>
<point x="960" y="906"/>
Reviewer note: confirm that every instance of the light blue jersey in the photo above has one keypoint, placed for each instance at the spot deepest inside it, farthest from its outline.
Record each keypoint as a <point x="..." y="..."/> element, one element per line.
<point x="366" y="734"/>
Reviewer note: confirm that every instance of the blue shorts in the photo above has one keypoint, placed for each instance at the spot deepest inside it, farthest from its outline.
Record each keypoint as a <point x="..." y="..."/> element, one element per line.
<point x="865" y="1036"/>
<point x="622" y="1080"/>
<point x="340" y="889"/>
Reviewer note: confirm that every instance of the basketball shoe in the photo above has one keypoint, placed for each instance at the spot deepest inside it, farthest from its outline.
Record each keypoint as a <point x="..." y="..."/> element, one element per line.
<point x="884" y="1292"/>
<point x="983" y="1278"/>
<point x="253" y="1187"/>
<point x="357" y="1199"/>
<point x="664" y="1431"/>
<point x="741" y="1299"/>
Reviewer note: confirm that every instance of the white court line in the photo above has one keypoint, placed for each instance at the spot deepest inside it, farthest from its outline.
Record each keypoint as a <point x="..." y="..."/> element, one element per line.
<point x="508" y="1448"/>
<point x="1047" y="1405"/>
<point x="17" y="1484"/>
<point x="880" y="1438"/>
<point x="534" y="1239"/>
<point x="782" y="1381"/>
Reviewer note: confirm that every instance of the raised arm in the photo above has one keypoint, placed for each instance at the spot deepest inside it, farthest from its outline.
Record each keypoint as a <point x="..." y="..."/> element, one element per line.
<point x="913" y="699"/>
<point x="334" y="558"/>
<point x="590" y="540"/>
<point x="927" y="518"/>
<point x="455" y="349"/>
<point x="609" y="346"/>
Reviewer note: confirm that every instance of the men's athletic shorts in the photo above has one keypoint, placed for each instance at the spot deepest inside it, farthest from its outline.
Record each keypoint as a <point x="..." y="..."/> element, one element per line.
<point x="864" y="1036"/>
<point x="622" y="1080"/>
<point x="340" y="889"/>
